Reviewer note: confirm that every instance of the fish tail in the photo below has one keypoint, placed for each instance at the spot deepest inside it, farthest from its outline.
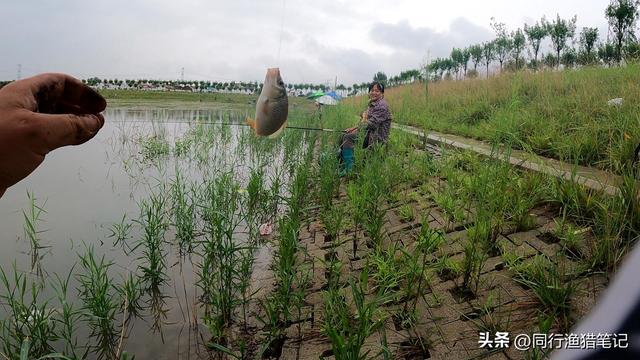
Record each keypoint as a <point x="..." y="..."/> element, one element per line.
<point x="251" y="123"/>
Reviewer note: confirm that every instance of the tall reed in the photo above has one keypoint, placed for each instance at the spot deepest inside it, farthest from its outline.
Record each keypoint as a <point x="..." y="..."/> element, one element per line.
<point x="32" y="217"/>
<point x="154" y="256"/>
<point x="29" y="318"/>
<point x="220" y="270"/>
<point x="99" y="303"/>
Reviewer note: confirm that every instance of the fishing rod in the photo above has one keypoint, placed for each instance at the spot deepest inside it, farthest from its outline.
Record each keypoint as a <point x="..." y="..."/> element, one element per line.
<point x="238" y="124"/>
<point x="287" y="127"/>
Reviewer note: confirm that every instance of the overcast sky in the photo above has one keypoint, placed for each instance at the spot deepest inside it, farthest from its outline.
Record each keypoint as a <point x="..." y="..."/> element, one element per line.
<point x="311" y="41"/>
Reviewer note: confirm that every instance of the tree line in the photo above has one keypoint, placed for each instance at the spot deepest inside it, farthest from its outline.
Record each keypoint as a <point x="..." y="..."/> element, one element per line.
<point x="509" y="49"/>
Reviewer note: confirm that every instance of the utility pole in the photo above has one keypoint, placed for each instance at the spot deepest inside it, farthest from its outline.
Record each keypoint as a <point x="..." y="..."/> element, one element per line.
<point x="19" y="75"/>
<point x="182" y="74"/>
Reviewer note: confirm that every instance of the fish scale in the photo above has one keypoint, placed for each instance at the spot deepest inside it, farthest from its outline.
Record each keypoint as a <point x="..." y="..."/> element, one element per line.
<point x="272" y="107"/>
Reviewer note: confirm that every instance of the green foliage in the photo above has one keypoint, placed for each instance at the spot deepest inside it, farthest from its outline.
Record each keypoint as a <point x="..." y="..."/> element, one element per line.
<point x="535" y="33"/>
<point x="221" y="273"/>
<point x="560" y="31"/>
<point x="518" y="42"/>
<point x="348" y="331"/>
<point x="100" y="306"/>
<point x="31" y="219"/>
<point x="622" y="16"/>
<point x="154" y="147"/>
<point x="30" y="320"/>
<point x="380" y="77"/>
<point x="549" y="283"/>
<point x="153" y="223"/>
<point x="588" y="39"/>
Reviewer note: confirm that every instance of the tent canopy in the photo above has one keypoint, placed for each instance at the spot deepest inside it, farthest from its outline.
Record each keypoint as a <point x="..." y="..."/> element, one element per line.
<point x="334" y="95"/>
<point x="314" y="95"/>
<point x="326" y="100"/>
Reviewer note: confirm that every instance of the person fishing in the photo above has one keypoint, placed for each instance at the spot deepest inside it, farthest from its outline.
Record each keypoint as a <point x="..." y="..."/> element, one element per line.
<point x="376" y="120"/>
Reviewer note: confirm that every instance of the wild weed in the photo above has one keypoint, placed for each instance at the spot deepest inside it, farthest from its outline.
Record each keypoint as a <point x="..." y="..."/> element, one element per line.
<point x="154" y="147"/>
<point x="357" y="202"/>
<point x="100" y="304"/>
<point x="406" y="213"/>
<point x="549" y="283"/>
<point x="472" y="263"/>
<point x="221" y="265"/>
<point x="184" y="214"/>
<point x="68" y="318"/>
<point x="447" y="268"/>
<point x="333" y="219"/>
<point x="488" y="317"/>
<point x="152" y="242"/>
<point x="417" y="263"/>
<point x="29" y="318"/>
<point x="329" y="181"/>
<point x="386" y="271"/>
<point x="32" y="218"/>
<point x="120" y="232"/>
<point x="347" y="332"/>
<point x="131" y="292"/>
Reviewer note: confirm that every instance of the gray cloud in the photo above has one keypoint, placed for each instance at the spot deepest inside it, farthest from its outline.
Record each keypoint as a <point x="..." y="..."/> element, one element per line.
<point x="403" y="37"/>
<point x="224" y="40"/>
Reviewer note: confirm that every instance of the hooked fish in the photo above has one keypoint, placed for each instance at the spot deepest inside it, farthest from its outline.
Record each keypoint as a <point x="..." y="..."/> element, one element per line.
<point x="272" y="107"/>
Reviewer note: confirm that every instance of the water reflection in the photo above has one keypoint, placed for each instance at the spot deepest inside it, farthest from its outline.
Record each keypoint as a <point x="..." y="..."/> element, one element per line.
<point x="91" y="196"/>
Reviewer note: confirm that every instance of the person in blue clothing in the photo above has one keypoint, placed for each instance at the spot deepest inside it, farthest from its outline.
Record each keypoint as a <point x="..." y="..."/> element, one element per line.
<point x="376" y="120"/>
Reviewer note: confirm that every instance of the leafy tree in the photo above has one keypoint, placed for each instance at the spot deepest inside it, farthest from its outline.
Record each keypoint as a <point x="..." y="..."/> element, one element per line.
<point x="535" y="34"/>
<point x="502" y="43"/>
<point x="380" y="77"/>
<point x="588" y="39"/>
<point x="569" y="58"/>
<point x="488" y="54"/>
<point x="607" y="52"/>
<point x="518" y="41"/>
<point x="549" y="60"/>
<point x="466" y="55"/>
<point x="476" y="55"/>
<point x="622" y="15"/>
<point x="456" y="60"/>
<point x="93" y="81"/>
<point x="632" y="51"/>
<point x="560" y="31"/>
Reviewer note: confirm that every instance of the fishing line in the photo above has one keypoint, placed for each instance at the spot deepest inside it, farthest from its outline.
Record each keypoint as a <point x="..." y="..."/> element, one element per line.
<point x="281" y="31"/>
<point x="227" y="124"/>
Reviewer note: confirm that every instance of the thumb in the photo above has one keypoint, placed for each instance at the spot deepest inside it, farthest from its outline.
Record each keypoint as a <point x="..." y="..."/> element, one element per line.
<point x="68" y="129"/>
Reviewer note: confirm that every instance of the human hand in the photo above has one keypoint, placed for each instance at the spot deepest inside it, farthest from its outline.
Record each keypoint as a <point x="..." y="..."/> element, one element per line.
<point x="364" y="117"/>
<point x="40" y="114"/>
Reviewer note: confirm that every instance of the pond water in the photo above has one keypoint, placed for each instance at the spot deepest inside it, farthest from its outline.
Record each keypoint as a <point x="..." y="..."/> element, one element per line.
<point x="85" y="190"/>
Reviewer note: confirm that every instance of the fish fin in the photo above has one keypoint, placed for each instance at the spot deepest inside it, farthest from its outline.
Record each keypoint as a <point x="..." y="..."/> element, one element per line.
<point x="279" y="131"/>
<point x="251" y="123"/>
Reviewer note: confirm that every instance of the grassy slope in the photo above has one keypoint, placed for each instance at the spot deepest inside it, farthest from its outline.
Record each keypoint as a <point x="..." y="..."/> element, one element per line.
<point x="562" y="115"/>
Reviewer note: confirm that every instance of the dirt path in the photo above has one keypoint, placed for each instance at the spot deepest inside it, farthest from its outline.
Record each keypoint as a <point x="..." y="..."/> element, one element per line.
<point x="593" y="178"/>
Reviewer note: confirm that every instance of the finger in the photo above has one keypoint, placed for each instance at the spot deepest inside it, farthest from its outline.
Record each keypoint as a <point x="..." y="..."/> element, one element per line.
<point x="57" y="94"/>
<point x="67" y="129"/>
